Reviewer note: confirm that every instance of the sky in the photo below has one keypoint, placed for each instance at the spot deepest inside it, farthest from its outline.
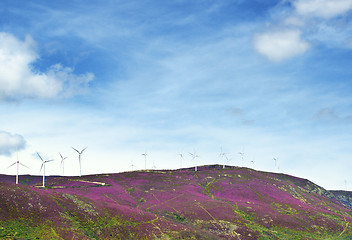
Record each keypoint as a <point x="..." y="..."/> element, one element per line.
<point x="268" y="78"/>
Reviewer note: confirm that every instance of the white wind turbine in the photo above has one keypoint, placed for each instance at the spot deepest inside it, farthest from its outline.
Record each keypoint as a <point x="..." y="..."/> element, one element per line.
<point x="276" y="160"/>
<point x="227" y="159"/>
<point x="145" y="160"/>
<point x="79" y="159"/>
<point x="181" y="158"/>
<point x="194" y="156"/>
<point x="242" y="154"/>
<point x="153" y="167"/>
<point x="223" y="155"/>
<point x="17" y="163"/>
<point x="43" y="166"/>
<point x="252" y="163"/>
<point x="62" y="164"/>
<point x="132" y="165"/>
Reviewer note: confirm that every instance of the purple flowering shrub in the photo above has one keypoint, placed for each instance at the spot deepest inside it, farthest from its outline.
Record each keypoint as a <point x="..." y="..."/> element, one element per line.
<point x="230" y="203"/>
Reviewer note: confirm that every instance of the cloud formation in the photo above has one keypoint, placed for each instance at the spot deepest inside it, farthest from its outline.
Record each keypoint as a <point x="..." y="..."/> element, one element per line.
<point x="10" y="143"/>
<point x="19" y="79"/>
<point x="322" y="8"/>
<point x="331" y="114"/>
<point x="312" y="18"/>
<point x="278" y="46"/>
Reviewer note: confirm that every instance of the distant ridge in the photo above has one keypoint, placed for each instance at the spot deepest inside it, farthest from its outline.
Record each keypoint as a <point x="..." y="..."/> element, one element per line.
<point x="344" y="196"/>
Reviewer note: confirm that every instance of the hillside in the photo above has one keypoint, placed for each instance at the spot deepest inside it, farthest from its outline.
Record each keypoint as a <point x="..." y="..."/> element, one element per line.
<point x="212" y="203"/>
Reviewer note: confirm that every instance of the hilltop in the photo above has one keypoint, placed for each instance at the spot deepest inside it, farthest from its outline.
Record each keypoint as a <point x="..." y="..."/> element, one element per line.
<point x="212" y="203"/>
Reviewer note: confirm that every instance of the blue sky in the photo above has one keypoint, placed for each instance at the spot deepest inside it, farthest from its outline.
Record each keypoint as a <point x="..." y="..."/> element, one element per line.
<point x="270" y="78"/>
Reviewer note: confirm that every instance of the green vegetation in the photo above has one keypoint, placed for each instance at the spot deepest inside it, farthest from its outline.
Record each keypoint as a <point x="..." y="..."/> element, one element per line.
<point x="179" y="218"/>
<point x="284" y="209"/>
<point x="130" y="190"/>
<point x="24" y="229"/>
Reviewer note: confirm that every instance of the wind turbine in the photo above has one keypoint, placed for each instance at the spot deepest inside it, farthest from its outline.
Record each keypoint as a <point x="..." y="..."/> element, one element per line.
<point x="62" y="164"/>
<point x="43" y="165"/>
<point x="17" y="163"/>
<point x="79" y="159"/>
<point x="181" y="158"/>
<point x="276" y="160"/>
<point x="252" y="163"/>
<point x="223" y="156"/>
<point x="154" y="167"/>
<point x="194" y="156"/>
<point x="242" y="154"/>
<point x="227" y="159"/>
<point x="145" y="160"/>
<point x="132" y="165"/>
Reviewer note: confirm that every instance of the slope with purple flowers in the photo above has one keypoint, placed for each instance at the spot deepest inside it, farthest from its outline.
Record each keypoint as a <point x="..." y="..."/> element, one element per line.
<point x="212" y="203"/>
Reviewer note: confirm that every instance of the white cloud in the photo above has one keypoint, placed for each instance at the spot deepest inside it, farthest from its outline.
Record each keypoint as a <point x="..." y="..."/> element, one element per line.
<point x="74" y="84"/>
<point x="280" y="45"/>
<point x="18" y="78"/>
<point x="322" y="8"/>
<point x="294" y="21"/>
<point x="10" y="143"/>
<point x="316" y="18"/>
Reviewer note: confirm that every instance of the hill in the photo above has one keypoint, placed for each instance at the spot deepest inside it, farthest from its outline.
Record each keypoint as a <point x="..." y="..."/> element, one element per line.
<point x="212" y="203"/>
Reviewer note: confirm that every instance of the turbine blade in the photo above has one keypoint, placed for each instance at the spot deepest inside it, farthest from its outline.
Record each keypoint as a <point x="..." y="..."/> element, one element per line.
<point x="40" y="157"/>
<point x="49" y="160"/>
<point x="24" y="165"/>
<point x="41" y="167"/>
<point x="11" y="165"/>
<point x="60" y="155"/>
<point x="84" y="149"/>
<point x="75" y="150"/>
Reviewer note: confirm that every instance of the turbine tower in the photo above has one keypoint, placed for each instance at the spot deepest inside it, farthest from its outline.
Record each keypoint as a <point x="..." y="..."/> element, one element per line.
<point x="181" y="158"/>
<point x="145" y="160"/>
<point x="252" y="163"/>
<point x="227" y="159"/>
<point x="17" y="163"/>
<point x="43" y="166"/>
<point x="194" y="156"/>
<point x="224" y="157"/>
<point x="79" y="159"/>
<point x="62" y="164"/>
<point x="276" y="160"/>
<point x="242" y="154"/>
<point x="132" y="165"/>
<point x="153" y="167"/>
